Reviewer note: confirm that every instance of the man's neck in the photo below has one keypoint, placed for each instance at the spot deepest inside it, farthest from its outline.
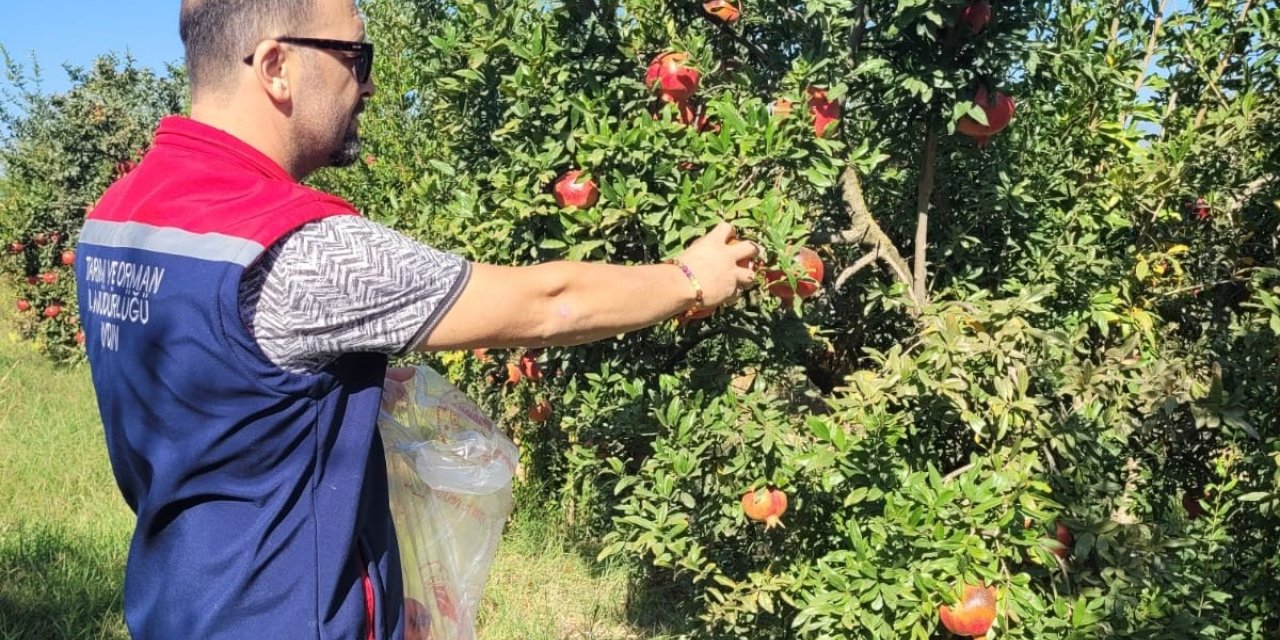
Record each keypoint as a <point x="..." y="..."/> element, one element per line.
<point x="262" y="134"/>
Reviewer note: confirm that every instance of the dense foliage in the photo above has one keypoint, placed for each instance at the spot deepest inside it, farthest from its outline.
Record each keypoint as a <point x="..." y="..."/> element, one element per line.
<point x="58" y="153"/>
<point x="1047" y="361"/>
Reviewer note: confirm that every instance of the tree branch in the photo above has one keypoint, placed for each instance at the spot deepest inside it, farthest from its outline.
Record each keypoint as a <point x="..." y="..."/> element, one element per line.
<point x="1222" y="62"/>
<point x="923" y="193"/>
<point x="854" y="269"/>
<point x="864" y="230"/>
<point x="1152" y="40"/>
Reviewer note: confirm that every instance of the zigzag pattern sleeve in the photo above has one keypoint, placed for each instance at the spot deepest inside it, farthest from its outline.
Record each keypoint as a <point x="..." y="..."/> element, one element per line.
<point x="346" y="284"/>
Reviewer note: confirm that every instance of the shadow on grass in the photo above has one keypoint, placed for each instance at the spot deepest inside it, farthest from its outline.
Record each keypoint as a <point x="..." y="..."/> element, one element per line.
<point x="56" y="585"/>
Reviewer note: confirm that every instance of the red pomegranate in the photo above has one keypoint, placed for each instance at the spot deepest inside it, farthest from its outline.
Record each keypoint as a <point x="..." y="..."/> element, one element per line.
<point x="32" y="280"/>
<point x="68" y="258"/>
<point x="570" y="192"/>
<point x="16" y="247"/>
<point x="806" y="285"/>
<point x="671" y="78"/>
<point x="1202" y="209"/>
<point x="825" y="112"/>
<point x="529" y="368"/>
<point x="1064" y="537"/>
<point x="23" y="305"/>
<point x="722" y="10"/>
<point x="417" y="620"/>
<point x="49" y="277"/>
<point x="765" y="505"/>
<point x="540" y="411"/>
<point x="976" y="15"/>
<point x="52" y="310"/>
<point x="80" y="336"/>
<point x="973" y="615"/>
<point x="999" y="110"/>
<point x="696" y="117"/>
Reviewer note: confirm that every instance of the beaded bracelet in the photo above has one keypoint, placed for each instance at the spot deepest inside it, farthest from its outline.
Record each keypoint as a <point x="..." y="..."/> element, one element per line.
<point x="693" y="280"/>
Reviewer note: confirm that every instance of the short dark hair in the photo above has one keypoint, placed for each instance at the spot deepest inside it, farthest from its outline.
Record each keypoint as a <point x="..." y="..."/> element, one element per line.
<point x="218" y="34"/>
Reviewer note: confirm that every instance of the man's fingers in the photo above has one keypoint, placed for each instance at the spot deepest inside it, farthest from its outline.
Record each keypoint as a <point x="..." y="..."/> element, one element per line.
<point x="723" y="232"/>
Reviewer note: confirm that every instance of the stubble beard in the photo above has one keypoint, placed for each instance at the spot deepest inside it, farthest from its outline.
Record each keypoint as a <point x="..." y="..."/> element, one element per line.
<point x="348" y="150"/>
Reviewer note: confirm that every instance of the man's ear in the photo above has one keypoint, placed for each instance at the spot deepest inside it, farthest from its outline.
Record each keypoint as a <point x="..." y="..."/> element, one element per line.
<point x="270" y="67"/>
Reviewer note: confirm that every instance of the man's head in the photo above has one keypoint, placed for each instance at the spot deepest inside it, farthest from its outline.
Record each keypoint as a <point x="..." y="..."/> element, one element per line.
<point x="280" y="66"/>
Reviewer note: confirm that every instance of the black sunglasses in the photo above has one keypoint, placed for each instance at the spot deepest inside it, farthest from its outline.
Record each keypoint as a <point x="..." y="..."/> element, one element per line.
<point x="363" y="51"/>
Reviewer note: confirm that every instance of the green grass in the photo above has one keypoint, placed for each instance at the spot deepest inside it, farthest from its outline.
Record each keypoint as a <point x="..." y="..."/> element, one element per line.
<point x="64" y="532"/>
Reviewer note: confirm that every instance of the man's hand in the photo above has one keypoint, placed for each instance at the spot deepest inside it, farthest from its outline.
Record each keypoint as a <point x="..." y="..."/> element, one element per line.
<point x="723" y="267"/>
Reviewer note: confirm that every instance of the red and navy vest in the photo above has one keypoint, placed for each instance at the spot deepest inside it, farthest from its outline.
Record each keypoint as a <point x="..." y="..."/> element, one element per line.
<point x="260" y="494"/>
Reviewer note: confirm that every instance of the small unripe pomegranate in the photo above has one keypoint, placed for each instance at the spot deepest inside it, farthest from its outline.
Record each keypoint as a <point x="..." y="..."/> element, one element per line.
<point x="765" y="505"/>
<point x="973" y="615"/>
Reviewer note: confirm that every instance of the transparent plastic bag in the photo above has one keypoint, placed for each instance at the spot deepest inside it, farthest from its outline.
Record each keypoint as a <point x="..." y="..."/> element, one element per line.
<point x="450" y="472"/>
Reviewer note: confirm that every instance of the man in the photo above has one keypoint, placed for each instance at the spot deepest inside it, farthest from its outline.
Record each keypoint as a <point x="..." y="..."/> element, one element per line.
<point x="239" y="326"/>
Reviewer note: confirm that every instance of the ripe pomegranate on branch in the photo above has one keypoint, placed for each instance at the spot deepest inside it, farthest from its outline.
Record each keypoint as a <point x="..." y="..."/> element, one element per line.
<point x="998" y="109"/>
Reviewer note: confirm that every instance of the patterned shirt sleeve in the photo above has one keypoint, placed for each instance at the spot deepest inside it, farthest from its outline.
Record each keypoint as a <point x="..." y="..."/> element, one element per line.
<point x="346" y="284"/>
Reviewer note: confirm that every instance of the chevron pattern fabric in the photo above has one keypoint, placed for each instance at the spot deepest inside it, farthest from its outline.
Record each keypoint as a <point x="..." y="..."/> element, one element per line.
<point x="346" y="284"/>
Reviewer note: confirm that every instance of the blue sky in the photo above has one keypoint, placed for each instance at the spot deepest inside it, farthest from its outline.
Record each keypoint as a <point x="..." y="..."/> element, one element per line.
<point x="77" y="31"/>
